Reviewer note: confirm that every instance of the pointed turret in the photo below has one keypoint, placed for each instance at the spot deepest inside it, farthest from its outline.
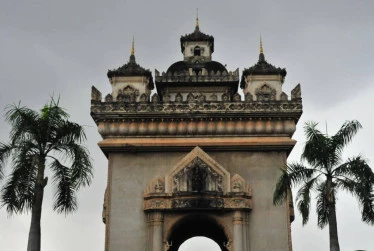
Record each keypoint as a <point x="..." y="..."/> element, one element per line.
<point x="263" y="75"/>
<point x="197" y="37"/>
<point x="131" y="76"/>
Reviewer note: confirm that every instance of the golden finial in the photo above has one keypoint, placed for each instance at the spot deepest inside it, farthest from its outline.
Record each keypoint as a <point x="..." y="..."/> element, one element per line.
<point x="261" y="49"/>
<point x="197" y="18"/>
<point x="133" y="47"/>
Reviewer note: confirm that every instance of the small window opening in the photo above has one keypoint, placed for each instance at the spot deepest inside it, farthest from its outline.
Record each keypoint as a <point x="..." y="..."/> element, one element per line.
<point x="197" y="51"/>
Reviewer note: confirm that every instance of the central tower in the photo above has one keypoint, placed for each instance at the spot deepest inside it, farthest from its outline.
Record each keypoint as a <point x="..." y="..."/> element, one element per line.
<point x="195" y="158"/>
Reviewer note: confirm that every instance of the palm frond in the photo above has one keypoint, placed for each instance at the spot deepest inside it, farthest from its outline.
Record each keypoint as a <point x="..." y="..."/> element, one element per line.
<point x="5" y="152"/>
<point x="18" y="193"/>
<point x="303" y="198"/>
<point x="65" y="192"/>
<point x="24" y="122"/>
<point x="357" y="177"/>
<point x="298" y="173"/>
<point x="294" y="174"/>
<point x="281" y="188"/>
<point x="81" y="167"/>
<point x="316" y="146"/>
<point x="322" y="207"/>
<point x="345" y="134"/>
<point x="355" y="168"/>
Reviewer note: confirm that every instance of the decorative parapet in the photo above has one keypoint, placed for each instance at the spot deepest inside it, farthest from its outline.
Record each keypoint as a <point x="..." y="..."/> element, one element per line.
<point x="187" y="76"/>
<point x="128" y="118"/>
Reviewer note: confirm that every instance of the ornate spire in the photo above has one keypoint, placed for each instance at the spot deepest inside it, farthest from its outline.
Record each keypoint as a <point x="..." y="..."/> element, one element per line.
<point x="197" y="19"/>
<point x="261" y="57"/>
<point x="133" y="47"/>
<point x="132" y="56"/>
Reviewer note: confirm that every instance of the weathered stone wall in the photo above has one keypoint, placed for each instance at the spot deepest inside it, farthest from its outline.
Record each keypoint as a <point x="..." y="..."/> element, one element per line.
<point x="131" y="172"/>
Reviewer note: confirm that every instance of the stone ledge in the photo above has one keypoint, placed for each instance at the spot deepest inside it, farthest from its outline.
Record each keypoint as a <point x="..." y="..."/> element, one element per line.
<point x="187" y="144"/>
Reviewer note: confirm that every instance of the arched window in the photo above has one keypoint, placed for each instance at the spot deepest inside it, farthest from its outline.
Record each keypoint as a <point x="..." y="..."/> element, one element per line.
<point x="197" y="51"/>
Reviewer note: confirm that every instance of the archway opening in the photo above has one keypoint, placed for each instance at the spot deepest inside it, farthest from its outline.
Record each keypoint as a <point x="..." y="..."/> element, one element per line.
<point x="199" y="243"/>
<point x="197" y="226"/>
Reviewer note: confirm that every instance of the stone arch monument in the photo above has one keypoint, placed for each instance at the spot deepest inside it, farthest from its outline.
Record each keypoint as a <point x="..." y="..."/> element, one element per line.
<point x="194" y="158"/>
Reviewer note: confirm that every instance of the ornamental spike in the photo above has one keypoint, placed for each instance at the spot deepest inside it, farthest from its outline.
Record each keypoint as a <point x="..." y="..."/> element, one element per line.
<point x="197" y="19"/>
<point x="133" y="47"/>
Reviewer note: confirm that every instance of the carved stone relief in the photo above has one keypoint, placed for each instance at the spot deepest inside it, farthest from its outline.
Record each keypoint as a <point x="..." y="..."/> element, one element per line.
<point x="155" y="98"/>
<point x="108" y="98"/>
<point x="248" y="97"/>
<point x="237" y="97"/>
<point x="190" y="97"/>
<point x="284" y="96"/>
<point x="225" y="97"/>
<point x="143" y="98"/>
<point x="213" y="97"/>
<point x="265" y="93"/>
<point x="157" y="185"/>
<point x="178" y="97"/>
<point x="197" y="182"/>
<point x="129" y="94"/>
<point x="197" y="177"/>
<point x="197" y="172"/>
<point x="238" y="184"/>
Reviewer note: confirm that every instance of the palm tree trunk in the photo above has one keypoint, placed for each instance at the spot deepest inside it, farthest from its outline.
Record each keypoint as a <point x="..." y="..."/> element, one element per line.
<point x="36" y="212"/>
<point x="333" y="228"/>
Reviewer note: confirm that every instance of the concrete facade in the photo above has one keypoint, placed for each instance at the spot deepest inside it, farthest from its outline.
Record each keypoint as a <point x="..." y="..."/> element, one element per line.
<point x="131" y="172"/>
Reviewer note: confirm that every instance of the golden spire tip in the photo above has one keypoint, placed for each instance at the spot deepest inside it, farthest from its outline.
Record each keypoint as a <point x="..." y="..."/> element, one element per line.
<point x="261" y="49"/>
<point x="133" y="47"/>
<point x="197" y="17"/>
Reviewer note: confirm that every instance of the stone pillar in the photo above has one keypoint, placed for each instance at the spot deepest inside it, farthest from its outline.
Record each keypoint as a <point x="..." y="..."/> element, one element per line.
<point x="245" y="233"/>
<point x="238" y="224"/>
<point x="155" y="228"/>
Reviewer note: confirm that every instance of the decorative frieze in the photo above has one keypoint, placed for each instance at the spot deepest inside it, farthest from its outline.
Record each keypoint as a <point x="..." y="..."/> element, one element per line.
<point x="155" y="106"/>
<point x="169" y="203"/>
<point x="186" y="76"/>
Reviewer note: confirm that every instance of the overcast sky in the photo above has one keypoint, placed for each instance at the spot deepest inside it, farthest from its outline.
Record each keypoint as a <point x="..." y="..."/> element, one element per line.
<point x="62" y="48"/>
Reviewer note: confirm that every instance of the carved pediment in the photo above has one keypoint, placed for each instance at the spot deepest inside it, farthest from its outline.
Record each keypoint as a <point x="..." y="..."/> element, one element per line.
<point x="197" y="177"/>
<point x="197" y="182"/>
<point x="197" y="172"/>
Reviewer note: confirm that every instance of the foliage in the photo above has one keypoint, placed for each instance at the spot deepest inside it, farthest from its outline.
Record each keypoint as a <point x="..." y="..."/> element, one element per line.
<point x="327" y="174"/>
<point x="39" y="140"/>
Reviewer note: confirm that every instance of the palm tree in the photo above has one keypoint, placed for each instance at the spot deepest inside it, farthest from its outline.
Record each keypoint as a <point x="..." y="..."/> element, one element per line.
<point x="326" y="175"/>
<point x="40" y="140"/>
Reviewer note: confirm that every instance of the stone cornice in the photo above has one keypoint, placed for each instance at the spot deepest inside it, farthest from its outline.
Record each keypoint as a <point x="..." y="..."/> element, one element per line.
<point x="187" y="144"/>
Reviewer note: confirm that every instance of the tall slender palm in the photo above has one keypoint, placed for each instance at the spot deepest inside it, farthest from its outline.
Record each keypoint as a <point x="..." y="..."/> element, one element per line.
<point x="326" y="175"/>
<point x="40" y="140"/>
